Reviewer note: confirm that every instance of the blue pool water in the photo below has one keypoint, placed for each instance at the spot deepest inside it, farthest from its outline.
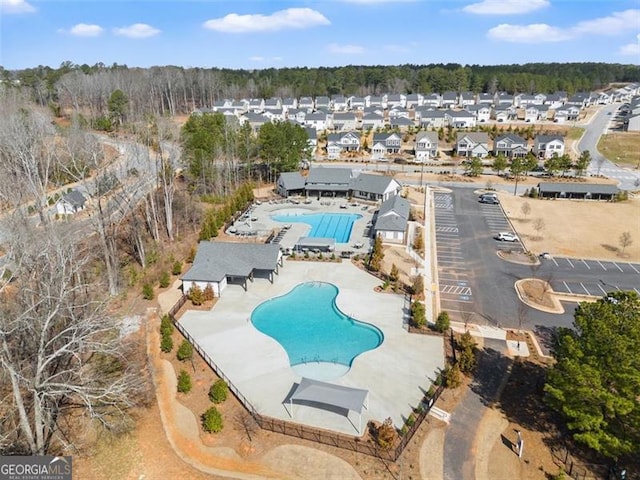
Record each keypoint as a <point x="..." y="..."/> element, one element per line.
<point x="324" y="225"/>
<point x="311" y="328"/>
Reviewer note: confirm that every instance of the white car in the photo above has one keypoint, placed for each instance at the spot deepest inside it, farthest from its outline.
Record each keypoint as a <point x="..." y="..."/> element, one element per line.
<point x="506" y="237"/>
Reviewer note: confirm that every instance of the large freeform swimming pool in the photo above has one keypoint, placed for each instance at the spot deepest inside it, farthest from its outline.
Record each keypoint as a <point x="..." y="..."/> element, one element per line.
<point x="324" y="225"/>
<point x="310" y="327"/>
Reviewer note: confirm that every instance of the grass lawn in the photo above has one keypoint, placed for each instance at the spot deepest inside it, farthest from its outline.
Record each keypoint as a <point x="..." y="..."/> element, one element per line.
<point x="621" y="148"/>
<point x="575" y="133"/>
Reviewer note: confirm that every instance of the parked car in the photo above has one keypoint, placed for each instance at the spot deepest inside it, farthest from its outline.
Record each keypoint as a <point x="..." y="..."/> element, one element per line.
<point x="546" y="255"/>
<point x="506" y="237"/>
<point x="493" y="200"/>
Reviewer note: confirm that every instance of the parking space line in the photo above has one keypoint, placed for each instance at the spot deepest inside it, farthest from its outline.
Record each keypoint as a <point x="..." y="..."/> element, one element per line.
<point x="633" y="267"/>
<point x="618" y="266"/>
<point x="554" y="261"/>
<point x="567" y="286"/>
<point x="601" y="265"/>
<point x="637" y="291"/>
<point x="586" y="264"/>
<point x="603" y="290"/>
<point x="569" y="262"/>
<point x="585" y="289"/>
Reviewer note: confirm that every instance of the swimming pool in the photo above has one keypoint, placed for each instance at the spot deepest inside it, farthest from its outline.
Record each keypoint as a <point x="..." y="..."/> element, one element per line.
<point x="310" y="327"/>
<point x="323" y="225"/>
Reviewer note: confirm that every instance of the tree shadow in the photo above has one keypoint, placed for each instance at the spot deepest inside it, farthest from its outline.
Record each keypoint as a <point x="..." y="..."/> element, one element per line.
<point x="609" y="248"/>
<point x="492" y="366"/>
<point x="546" y="337"/>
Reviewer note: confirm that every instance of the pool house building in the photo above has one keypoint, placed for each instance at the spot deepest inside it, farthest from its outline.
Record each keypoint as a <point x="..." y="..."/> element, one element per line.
<point x="218" y="264"/>
<point x="338" y="182"/>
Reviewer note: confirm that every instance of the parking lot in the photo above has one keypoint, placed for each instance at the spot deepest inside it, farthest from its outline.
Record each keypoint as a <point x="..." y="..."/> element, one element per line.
<point x="497" y="222"/>
<point x="593" y="277"/>
<point x="456" y="294"/>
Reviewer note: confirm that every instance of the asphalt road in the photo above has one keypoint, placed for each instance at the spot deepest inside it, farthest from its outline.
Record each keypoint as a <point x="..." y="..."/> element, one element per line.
<point x="626" y="177"/>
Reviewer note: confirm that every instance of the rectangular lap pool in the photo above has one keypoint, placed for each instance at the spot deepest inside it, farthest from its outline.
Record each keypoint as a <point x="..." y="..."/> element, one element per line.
<point x="324" y="225"/>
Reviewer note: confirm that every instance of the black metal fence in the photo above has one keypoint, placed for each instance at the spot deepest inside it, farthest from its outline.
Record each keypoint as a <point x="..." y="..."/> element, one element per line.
<point x="576" y="469"/>
<point x="346" y="442"/>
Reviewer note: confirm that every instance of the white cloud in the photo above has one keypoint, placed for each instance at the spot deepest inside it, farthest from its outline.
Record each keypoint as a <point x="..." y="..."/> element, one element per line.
<point x="291" y="18"/>
<point x="345" y="49"/>
<point x="631" y="48"/>
<point x="505" y="7"/>
<point x="611" y="25"/>
<point x="373" y="2"/>
<point x="84" y="30"/>
<point x="260" y="59"/>
<point x="16" y="6"/>
<point x="535" y="33"/>
<point x="614" y="24"/>
<point x="137" y="30"/>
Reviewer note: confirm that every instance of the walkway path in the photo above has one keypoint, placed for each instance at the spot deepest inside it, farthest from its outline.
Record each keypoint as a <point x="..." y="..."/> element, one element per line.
<point x="460" y="439"/>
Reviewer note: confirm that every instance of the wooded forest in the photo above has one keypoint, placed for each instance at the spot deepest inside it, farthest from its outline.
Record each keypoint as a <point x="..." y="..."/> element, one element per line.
<point x="171" y="90"/>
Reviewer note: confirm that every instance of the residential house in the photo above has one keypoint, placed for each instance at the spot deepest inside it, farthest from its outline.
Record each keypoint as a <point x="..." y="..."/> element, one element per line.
<point x="401" y="123"/>
<point x="345" y="121"/>
<point x="566" y="113"/>
<point x="378" y="101"/>
<point x="431" y="118"/>
<point x="523" y="100"/>
<point x="472" y="144"/>
<point x="504" y="113"/>
<point x="372" y="121"/>
<point x="449" y="100"/>
<point x="339" y="103"/>
<point x="71" y="202"/>
<point x="395" y="112"/>
<point x="554" y="100"/>
<point x="460" y="119"/>
<point x="312" y="141"/>
<point x="391" y="222"/>
<point x="318" y="120"/>
<point x="433" y="100"/>
<point x="297" y="114"/>
<point x="374" y="109"/>
<point x="273" y="105"/>
<point x="256" y="120"/>
<point x="342" y="142"/>
<point x="396" y="100"/>
<point x="306" y="103"/>
<point x="632" y="124"/>
<point x="357" y="103"/>
<point x="485" y="99"/>
<point x="323" y="103"/>
<point x="466" y="99"/>
<point x="275" y="115"/>
<point x="219" y="264"/>
<point x="426" y="146"/>
<point x="372" y="187"/>
<point x="546" y="146"/>
<point x="580" y="100"/>
<point x="510" y="145"/>
<point x="414" y="100"/>
<point x="218" y="104"/>
<point x="503" y="99"/>
<point x="289" y="103"/>
<point x="481" y="112"/>
<point x="384" y="144"/>
<point x="256" y="105"/>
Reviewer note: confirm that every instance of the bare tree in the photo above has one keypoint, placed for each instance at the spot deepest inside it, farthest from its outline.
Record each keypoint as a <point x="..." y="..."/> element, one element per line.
<point x="538" y="226"/>
<point x="525" y="209"/>
<point x="624" y="241"/>
<point x="62" y="360"/>
<point x="246" y="422"/>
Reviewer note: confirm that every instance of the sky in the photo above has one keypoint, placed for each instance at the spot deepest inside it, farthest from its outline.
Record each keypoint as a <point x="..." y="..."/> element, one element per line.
<point x="263" y="34"/>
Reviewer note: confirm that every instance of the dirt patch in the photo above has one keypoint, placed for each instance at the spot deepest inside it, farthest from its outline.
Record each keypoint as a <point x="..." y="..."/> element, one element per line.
<point x="576" y="228"/>
<point x="538" y="294"/>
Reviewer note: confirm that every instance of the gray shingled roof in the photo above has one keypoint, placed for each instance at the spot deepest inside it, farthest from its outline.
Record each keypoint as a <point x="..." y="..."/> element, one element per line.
<point x="74" y="198"/>
<point x="292" y="181"/>
<point x="512" y="137"/>
<point x="593" y="188"/>
<point x="216" y="260"/>
<point x="393" y="215"/>
<point x="475" y="137"/>
<point x="432" y="136"/>
<point x="336" y="176"/>
<point x="366" y="182"/>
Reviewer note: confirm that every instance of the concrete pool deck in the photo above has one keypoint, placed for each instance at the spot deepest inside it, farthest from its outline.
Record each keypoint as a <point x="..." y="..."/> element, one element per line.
<point x="397" y="373"/>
